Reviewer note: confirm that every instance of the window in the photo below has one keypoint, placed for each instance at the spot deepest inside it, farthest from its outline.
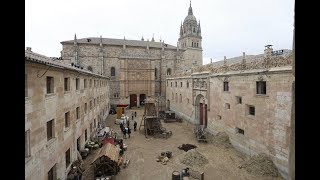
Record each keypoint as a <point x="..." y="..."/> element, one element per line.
<point x="90" y="83"/>
<point x="66" y="84"/>
<point x="180" y="98"/>
<point x="90" y="104"/>
<point x="176" y="84"/>
<point x="78" y="112"/>
<point x="77" y="83"/>
<point x="261" y="87"/>
<point x="167" y="83"/>
<point x="85" y="135"/>
<point x="50" y="128"/>
<point x="27" y="143"/>
<point x="187" y="84"/>
<point x="180" y="84"/>
<point x="171" y="84"/>
<point x="25" y="86"/>
<point x="251" y="110"/>
<point x="50" y="85"/>
<point x="176" y="97"/>
<point x="67" y="119"/>
<point x="113" y="71"/>
<point x="239" y="99"/>
<point x="85" y="83"/>
<point x="218" y="117"/>
<point x="85" y="108"/>
<point x="168" y="71"/>
<point x="68" y="158"/>
<point x="227" y="106"/>
<point x="239" y="131"/>
<point x="155" y="73"/>
<point x="188" y="100"/>
<point x="225" y="86"/>
<point x="52" y="173"/>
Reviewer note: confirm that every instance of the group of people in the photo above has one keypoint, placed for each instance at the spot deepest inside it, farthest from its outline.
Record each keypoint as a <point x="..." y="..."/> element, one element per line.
<point x="127" y="130"/>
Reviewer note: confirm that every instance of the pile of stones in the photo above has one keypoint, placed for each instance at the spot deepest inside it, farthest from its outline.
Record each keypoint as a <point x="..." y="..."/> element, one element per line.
<point x="194" y="158"/>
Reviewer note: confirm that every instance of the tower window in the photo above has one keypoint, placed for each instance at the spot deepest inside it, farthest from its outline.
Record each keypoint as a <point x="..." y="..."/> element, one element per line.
<point x="187" y="84"/>
<point x="113" y="71"/>
<point x="168" y="71"/>
<point x="261" y="87"/>
<point x="50" y="85"/>
<point x="239" y="99"/>
<point x="181" y="84"/>
<point x="225" y="86"/>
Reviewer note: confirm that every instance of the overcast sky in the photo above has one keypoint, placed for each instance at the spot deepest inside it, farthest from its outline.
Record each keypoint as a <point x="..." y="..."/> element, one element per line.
<point x="228" y="27"/>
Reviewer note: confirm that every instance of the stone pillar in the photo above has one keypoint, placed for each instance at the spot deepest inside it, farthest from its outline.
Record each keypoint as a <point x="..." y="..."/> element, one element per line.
<point x="138" y="100"/>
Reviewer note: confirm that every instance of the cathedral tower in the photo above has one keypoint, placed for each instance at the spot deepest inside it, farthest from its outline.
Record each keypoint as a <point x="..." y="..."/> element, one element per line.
<point x="190" y="39"/>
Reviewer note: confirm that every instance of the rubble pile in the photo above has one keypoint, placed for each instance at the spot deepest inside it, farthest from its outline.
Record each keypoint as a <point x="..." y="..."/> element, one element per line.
<point x="194" y="158"/>
<point x="260" y="165"/>
<point x="220" y="140"/>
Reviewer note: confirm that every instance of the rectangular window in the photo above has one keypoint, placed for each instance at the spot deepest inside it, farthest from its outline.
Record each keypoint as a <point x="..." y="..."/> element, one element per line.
<point x="66" y="84"/>
<point x="25" y="86"/>
<point x="187" y="84"/>
<point x="176" y="84"/>
<point x="78" y="112"/>
<point x="171" y="84"/>
<point x="180" y="84"/>
<point x="27" y="143"/>
<point x="67" y="119"/>
<point x="261" y="87"/>
<point x="239" y="131"/>
<point x="50" y="85"/>
<point x="252" y="110"/>
<point x="50" y="129"/>
<point x="68" y="158"/>
<point x="90" y="104"/>
<point x="52" y="173"/>
<point x="239" y="99"/>
<point x="85" y="108"/>
<point x="77" y="83"/>
<point x="225" y="86"/>
<point x="85" y="83"/>
<point x="85" y="135"/>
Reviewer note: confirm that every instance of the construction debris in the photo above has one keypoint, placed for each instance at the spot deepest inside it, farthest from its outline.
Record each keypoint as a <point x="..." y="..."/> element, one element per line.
<point x="164" y="157"/>
<point x="194" y="158"/>
<point x="260" y="165"/>
<point x="187" y="147"/>
<point x="220" y="140"/>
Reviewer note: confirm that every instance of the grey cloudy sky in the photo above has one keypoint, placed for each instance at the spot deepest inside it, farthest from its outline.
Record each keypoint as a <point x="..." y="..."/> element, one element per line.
<point x="229" y="27"/>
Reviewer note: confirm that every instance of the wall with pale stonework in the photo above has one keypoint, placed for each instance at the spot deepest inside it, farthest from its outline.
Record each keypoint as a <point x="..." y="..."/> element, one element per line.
<point x="268" y="130"/>
<point x="41" y="108"/>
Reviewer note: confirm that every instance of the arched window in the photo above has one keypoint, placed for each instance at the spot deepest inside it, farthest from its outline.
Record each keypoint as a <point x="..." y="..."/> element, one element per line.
<point x="197" y="44"/>
<point x="187" y="84"/>
<point x="176" y="97"/>
<point x="113" y="71"/>
<point x="192" y="44"/>
<point x="155" y="73"/>
<point x="90" y="68"/>
<point x="180" y="98"/>
<point x="169" y="71"/>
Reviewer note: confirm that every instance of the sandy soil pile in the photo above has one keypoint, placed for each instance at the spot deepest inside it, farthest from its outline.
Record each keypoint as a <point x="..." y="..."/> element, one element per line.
<point x="194" y="158"/>
<point x="220" y="140"/>
<point x="260" y="165"/>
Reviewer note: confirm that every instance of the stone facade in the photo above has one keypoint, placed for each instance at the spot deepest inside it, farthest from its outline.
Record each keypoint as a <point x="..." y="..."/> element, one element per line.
<point x="141" y="67"/>
<point x="44" y="151"/>
<point x="268" y="129"/>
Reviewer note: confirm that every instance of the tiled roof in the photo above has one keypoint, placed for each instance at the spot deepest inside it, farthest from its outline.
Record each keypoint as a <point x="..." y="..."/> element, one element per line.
<point x="109" y="41"/>
<point x="38" y="58"/>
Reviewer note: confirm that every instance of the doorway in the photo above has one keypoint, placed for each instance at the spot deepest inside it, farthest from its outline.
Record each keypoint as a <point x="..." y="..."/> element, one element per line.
<point x="133" y="100"/>
<point x="142" y="97"/>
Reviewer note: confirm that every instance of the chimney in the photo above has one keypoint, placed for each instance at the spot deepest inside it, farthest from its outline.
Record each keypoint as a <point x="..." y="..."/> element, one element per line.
<point x="29" y="49"/>
<point x="267" y="51"/>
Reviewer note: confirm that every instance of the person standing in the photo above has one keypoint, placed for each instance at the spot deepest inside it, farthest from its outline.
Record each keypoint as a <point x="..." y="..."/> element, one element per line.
<point x="129" y="131"/>
<point x="135" y="125"/>
<point x="135" y="114"/>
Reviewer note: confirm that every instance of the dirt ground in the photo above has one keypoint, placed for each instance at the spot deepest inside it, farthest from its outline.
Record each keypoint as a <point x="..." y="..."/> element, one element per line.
<point x="142" y="152"/>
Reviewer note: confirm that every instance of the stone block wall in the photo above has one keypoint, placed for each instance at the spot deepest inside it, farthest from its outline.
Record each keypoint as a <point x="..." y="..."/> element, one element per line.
<point x="42" y="107"/>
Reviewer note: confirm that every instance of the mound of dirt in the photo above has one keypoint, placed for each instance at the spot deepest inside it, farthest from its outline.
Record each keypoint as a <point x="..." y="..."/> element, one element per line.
<point x="187" y="147"/>
<point x="220" y="140"/>
<point x="194" y="158"/>
<point x="260" y="165"/>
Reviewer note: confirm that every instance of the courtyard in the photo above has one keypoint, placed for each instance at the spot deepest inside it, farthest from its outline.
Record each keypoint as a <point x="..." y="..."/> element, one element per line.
<point x="223" y="162"/>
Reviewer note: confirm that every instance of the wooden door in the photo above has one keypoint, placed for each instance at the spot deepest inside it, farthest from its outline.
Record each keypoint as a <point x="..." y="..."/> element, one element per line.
<point x="133" y="100"/>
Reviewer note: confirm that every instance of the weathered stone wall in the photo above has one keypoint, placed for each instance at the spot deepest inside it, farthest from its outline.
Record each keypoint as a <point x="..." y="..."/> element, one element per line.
<point x="268" y="130"/>
<point x="41" y="107"/>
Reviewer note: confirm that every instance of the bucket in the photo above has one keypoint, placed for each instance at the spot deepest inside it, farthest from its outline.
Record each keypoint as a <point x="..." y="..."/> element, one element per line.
<point x="175" y="175"/>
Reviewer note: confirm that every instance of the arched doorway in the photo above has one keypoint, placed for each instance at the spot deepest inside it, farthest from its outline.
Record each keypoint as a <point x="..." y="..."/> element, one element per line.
<point x="201" y="110"/>
<point x="142" y="97"/>
<point x="133" y="100"/>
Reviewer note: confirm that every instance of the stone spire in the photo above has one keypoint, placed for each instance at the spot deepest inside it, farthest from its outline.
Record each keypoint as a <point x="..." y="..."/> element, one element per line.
<point x="190" y="10"/>
<point x="75" y="39"/>
<point x="142" y="39"/>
